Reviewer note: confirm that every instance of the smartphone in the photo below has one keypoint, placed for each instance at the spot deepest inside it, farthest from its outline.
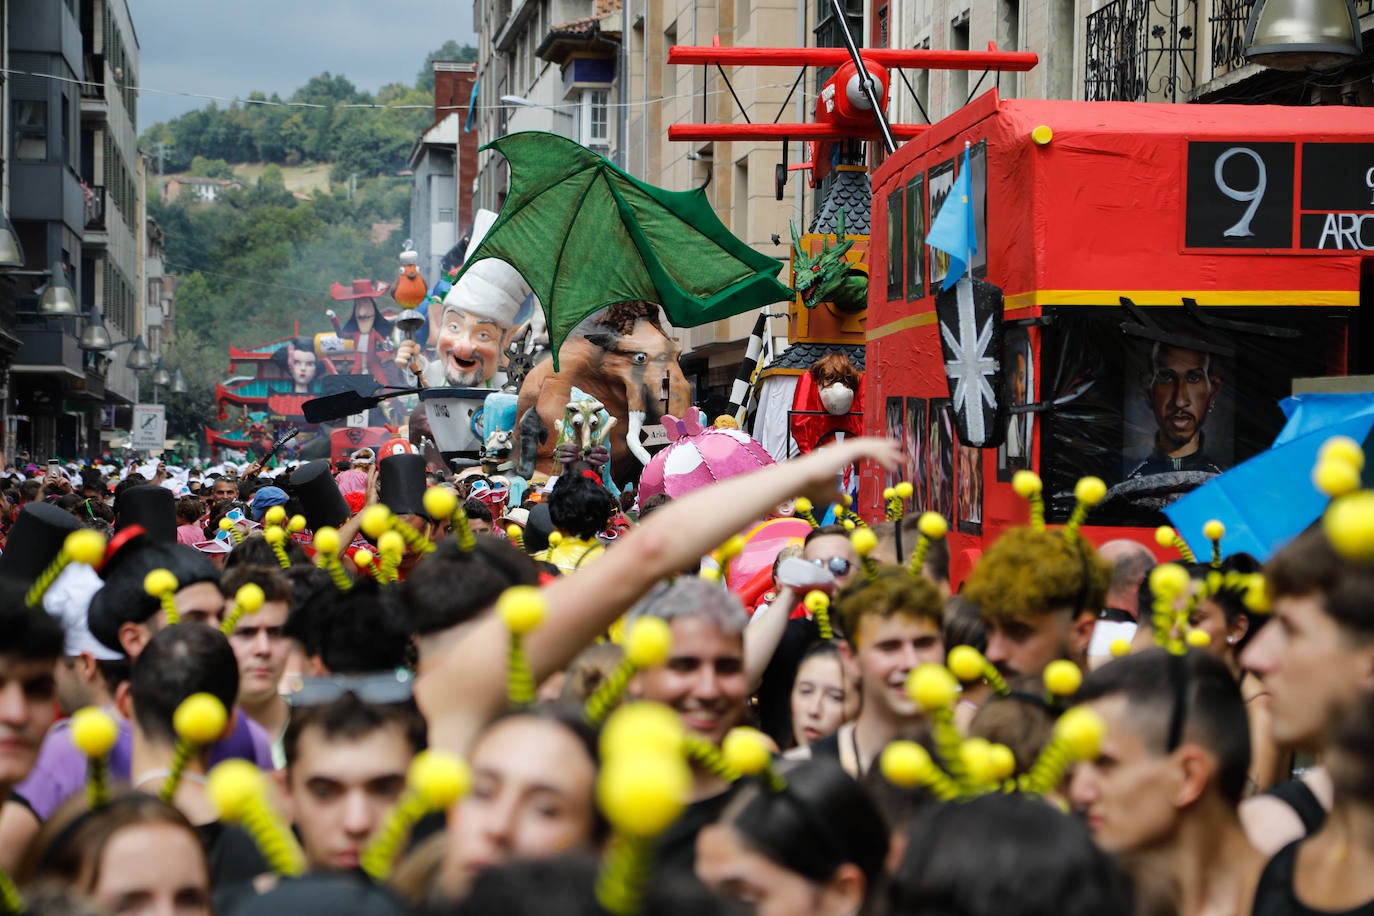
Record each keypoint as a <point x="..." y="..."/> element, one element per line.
<point x="54" y="463"/>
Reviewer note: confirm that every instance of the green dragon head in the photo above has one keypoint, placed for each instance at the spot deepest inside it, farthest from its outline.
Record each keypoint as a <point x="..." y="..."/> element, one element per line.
<point x="829" y="277"/>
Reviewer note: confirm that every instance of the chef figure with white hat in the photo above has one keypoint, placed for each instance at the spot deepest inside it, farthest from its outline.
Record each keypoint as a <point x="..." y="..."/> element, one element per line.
<point x="479" y="312"/>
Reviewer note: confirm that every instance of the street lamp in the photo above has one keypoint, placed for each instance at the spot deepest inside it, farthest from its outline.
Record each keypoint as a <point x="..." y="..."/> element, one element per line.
<point x="11" y="252"/>
<point x="518" y="101"/>
<point x="139" y="357"/>
<point x="94" y="337"/>
<point x="57" y="299"/>
<point x="161" y="377"/>
<point x="1302" y="34"/>
<point x="178" y="382"/>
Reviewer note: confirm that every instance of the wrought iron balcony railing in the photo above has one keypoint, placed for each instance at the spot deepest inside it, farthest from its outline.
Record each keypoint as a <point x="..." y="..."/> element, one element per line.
<point x="1141" y="51"/>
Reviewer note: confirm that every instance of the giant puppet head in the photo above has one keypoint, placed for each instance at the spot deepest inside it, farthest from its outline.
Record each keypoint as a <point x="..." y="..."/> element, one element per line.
<point x="476" y="316"/>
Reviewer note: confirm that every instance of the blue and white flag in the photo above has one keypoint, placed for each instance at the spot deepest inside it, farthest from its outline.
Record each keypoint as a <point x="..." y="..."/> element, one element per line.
<point x="953" y="230"/>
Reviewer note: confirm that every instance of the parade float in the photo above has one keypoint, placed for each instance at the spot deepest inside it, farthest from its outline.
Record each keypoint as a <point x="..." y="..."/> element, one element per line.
<point x="1141" y="285"/>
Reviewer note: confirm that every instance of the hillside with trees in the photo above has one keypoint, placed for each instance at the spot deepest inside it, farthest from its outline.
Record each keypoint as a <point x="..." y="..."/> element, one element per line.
<point x="261" y="257"/>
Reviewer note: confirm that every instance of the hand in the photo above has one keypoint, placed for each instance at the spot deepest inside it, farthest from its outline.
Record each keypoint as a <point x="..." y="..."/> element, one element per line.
<point x="370" y="498"/>
<point x="254" y="469"/>
<point x="803" y="576"/>
<point x="824" y="465"/>
<point x="407" y="355"/>
<point x="567" y="453"/>
<point x="598" y="455"/>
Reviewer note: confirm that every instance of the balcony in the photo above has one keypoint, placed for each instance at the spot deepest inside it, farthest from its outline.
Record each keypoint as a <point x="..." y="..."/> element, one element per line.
<point x="1142" y="51"/>
<point x="93" y="196"/>
<point x="1159" y="51"/>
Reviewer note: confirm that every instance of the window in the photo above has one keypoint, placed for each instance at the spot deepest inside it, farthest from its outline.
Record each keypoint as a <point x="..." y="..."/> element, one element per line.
<point x="445" y="215"/>
<point x="598" y="118"/>
<point x="958" y="79"/>
<point x="30" y="130"/>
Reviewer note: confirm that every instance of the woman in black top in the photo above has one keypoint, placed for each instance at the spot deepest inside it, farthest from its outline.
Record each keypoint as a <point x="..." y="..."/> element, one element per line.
<point x="1332" y="871"/>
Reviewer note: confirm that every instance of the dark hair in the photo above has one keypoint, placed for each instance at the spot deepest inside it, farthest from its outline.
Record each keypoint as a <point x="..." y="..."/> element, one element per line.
<point x="566" y="886"/>
<point x="189" y="508"/>
<point x="350" y="719"/>
<point x="1310" y="566"/>
<point x="274" y="584"/>
<point x="181" y="660"/>
<point x="936" y="563"/>
<point x="820" y="821"/>
<point x="824" y="530"/>
<point x="26" y="633"/>
<point x="1213" y="714"/>
<point x="964" y="624"/>
<point x="578" y="506"/>
<point x="893" y="591"/>
<point x="1352" y="759"/>
<point x="1020" y="721"/>
<point x="450" y="586"/>
<point x="477" y="509"/>
<point x="1004" y="855"/>
<point x="255" y="551"/>
<point x="72" y="842"/>
<point x="1231" y="600"/>
<point x="652" y="504"/>
<point x="352" y="632"/>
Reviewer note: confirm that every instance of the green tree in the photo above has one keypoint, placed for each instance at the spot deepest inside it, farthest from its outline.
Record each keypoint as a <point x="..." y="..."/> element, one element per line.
<point x="450" y="50"/>
<point x="211" y="168"/>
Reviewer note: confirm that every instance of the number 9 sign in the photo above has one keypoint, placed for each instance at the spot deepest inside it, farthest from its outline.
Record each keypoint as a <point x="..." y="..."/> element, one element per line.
<point x="1253" y="195"/>
<point x="1240" y="195"/>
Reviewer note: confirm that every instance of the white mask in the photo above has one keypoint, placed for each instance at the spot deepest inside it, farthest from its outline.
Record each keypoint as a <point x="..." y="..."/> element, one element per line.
<point x="837" y="398"/>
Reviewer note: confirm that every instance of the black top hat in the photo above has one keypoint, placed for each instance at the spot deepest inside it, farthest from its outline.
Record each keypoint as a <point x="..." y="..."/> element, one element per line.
<point x="321" y="502"/>
<point x="538" y="528"/>
<point x="124" y="600"/>
<point x="154" y="509"/>
<point x="338" y="893"/>
<point x="402" y="484"/>
<point x="35" y="540"/>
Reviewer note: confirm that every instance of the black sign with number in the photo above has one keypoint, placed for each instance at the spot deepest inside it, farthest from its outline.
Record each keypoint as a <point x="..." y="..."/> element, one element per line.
<point x="1240" y="195"/>
<point x="1338" y="176"/>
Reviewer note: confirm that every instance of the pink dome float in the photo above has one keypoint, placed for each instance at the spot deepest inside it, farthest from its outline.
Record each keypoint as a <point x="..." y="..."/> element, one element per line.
<point x="697" y="455"/>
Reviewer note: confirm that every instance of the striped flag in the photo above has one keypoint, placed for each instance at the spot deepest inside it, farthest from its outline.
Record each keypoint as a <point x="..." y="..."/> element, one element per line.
<point x="739" y="392"/>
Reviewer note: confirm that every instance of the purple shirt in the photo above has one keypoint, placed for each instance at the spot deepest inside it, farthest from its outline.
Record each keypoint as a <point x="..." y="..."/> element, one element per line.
<point x="60" y="770"/>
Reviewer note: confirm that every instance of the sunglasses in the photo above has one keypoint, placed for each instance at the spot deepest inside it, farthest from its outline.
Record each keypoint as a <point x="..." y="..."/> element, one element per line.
<point x="837" y="566"/>
<point x="382" y="688"/>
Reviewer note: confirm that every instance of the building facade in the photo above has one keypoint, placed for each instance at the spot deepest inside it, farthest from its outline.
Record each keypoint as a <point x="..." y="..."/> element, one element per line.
<point x="443" y="163"/>
<point x="76" y="201"/>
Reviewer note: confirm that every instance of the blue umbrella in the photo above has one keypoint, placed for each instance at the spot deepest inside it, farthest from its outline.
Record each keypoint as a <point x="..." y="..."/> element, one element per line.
<point x="1268" y="500"/>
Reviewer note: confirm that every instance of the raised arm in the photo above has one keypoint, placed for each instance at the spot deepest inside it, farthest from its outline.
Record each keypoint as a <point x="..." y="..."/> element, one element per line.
<point x="467" y="687"/>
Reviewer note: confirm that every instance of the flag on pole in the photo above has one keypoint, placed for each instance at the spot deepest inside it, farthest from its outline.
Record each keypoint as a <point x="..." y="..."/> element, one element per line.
<point x="472" y="107"/>
<point x="739" y="392"/>
<point x="953" y="230"/>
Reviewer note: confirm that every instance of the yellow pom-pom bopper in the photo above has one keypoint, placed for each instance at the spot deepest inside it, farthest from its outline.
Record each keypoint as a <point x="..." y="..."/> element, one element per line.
<point x="249" y="599"/>
<point x="199" y="720"/>
<point x="932" y="687"/>
<point x="748" y="752"/>
<point x="238" y="790"/>
<point x="817" y="603"/>
<point x="435" y="781"/>
<point x="1349" y="526"/>
<point x="275" y="516"/>
<point x="1062" y="678"/>
<point x="521" y="608"/>
<point x="648" y="643"/>
<point x="94" y="732"/>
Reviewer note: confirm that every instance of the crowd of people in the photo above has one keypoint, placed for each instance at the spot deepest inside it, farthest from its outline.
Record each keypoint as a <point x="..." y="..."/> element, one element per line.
<point x="371" y="687"/>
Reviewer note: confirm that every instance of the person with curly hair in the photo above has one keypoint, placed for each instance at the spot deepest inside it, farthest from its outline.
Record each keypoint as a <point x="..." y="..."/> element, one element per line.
<point x="1040" y="592"/>
<point x="892" y="624"/>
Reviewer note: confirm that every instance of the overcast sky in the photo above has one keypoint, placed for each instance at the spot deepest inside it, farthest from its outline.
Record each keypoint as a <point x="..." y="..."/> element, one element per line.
<point x="229" y="49"/>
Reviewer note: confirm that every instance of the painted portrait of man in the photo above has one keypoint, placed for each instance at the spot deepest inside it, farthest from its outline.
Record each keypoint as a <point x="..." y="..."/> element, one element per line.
<point x="1181" y="392"/>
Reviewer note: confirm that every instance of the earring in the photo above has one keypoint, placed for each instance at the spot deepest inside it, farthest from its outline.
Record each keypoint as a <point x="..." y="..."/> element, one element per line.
<point x="1230" y="640"/>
